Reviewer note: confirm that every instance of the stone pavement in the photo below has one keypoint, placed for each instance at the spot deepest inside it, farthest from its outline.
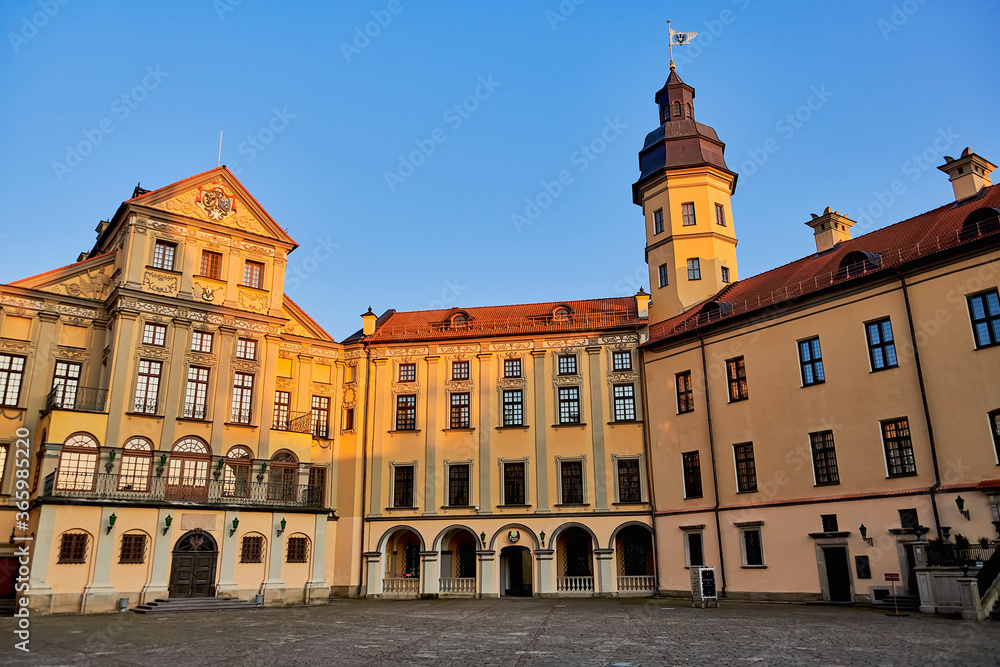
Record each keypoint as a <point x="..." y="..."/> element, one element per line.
<point x="508" y="631"/>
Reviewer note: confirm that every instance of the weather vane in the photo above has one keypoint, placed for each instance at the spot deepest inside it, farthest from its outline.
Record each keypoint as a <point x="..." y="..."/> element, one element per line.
<point x="678" y="38"/>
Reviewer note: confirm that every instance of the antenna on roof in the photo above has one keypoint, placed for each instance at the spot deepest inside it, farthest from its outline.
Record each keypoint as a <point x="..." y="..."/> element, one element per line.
<point x="220" y="149"/>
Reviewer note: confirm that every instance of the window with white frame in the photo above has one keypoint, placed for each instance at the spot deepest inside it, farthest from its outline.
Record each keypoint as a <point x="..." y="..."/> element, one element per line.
<point x="246" y="348"/>
<point x="201" y="341"/>
<point x="752" y="545"/>
<point x="694" y="548"/>
<point x="147" y="387"/>
<point x="164" y="254"/>
<point x="242" y="398"/>
<point x="624" y="397"/>
<point x="11" y="376"/>
<point x="196" y="393"/>
<point x="154" y="334"/>
<point x="513" y="407"/>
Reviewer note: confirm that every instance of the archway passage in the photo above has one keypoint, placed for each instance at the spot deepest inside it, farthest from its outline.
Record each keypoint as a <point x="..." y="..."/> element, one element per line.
<point x="192" y="572"/>
<point x="515" y="571"/>
<point x="402" y="563"/>
<point x="574" y="549"/>
<point x="458" y="563"/>
<point x="634" y="549"/>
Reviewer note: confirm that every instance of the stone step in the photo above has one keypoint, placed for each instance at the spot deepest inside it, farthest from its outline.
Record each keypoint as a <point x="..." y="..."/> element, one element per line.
<point x="902" y="602"/>
<point x="194" y="604"/>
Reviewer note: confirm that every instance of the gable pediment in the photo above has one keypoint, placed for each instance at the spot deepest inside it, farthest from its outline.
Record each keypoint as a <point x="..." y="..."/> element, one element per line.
<point x="300" y="324"/>
<point x="89" y="279"/>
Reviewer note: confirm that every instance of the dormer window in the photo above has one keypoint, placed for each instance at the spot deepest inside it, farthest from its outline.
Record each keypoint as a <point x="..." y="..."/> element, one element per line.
<point x="561" y="314"/>
<point x="459" y="321"/>
<point x="858" y="262"/>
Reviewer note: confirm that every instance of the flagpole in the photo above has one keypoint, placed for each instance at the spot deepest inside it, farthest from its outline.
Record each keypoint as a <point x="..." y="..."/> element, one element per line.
<point x="670" y="41"/>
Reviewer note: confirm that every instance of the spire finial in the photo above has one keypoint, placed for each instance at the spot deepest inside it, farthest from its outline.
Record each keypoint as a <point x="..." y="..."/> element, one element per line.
<point x="679" y="38"/>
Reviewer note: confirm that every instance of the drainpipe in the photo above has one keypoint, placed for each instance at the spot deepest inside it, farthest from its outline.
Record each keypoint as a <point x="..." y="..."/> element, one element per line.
<point x="715" y="475"/>
<point x="923" y="398"/>
<point x="647" y="448"/>
<point x="364" y="467"/>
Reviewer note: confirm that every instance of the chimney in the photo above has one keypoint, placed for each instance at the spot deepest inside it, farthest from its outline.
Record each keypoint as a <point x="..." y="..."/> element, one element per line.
<point x="642" y="304"/>
<point x="369" y="320"/>
<point x="830" y="229"/>
<point x="968" y="174"/>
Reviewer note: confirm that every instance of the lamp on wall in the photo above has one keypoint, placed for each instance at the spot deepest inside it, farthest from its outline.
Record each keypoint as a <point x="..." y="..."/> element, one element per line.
<point x="159" y="468"/>
<point x="282" y="529"/>
<point x="236" y="524"/>
<point x="482" y="538"/>
<point x="542" y="536"/>
<point x="960" y="502"/>
<point x="111" y="523"/>
<point x="864" y="535"/>
<point x="111" y="462"/>
<point x="263" y="469"/>
<point x="167" y="520"/>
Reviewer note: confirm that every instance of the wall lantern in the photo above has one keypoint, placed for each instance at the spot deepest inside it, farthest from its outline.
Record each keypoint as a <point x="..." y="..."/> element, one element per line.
<point x="111" y="462"/>
<point x="167" y="520"/>
<point x="111" y="455"/>
<point x="236" y="524"/>
<point x="864" y="535"/>
<point x="111" y="523"/>
<point x="960" y="502"/>
<point x="282" y="529"/>
<point x="482" y="538"/>
<point x="542" y="535"/>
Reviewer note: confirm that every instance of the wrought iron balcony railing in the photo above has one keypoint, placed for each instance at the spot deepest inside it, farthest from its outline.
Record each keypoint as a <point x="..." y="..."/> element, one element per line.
<point x="145" y="406"/>
<point x="81" y="399"/>
<point x="296" y="422"/>
<point x="211" y="491"/>
<point x="952" y="554"/>
<point x="194" y="410"/>
<point x="241" y="416"/>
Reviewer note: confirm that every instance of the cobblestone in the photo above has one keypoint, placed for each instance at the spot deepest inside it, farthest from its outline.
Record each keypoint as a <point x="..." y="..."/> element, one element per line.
<point x="508" y="632"/>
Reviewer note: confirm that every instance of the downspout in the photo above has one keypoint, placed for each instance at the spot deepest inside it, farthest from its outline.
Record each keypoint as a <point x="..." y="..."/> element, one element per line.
<point x="715" y="476"/>
<point x="923" y="398"/>
<point x="647" y="448"/>
<point x="364" y="468"/>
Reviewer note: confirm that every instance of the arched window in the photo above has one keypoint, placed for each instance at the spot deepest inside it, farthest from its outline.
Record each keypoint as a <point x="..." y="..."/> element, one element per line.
<point x="689" y="111"/>
<point x="187" y="476"/>
<point x="236" y="472"/>
<point x="137" y="460"/>
<point x="78" y="463"/>
<point x="283" y="476"/>
<point x="677" y="109"/>
<point x="858" y="262"/>
<point x="561" y="314"/>
<point x="460" y="321"/>
<point x="979" y="222"/>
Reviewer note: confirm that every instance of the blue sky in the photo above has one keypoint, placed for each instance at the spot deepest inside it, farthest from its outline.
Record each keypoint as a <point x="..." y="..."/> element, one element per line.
<point x="341" y="119"/>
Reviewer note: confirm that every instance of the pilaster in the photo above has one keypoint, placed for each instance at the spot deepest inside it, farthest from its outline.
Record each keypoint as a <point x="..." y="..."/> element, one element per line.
<point x="227" y="557"/>
<point x="540" y="427"/>
<point x="99" y="593"/>
<point x="485" y="432"/>
<point x="430" y="442"/>
<point x="274" y="587"/>
<point x="221" y="407"/>
<point x="428" y="573"/>
<point x="597" y="428"/>
<point x="373" y="560"/>
<point x="487" y="574"/>
<point x="546" y="586"/>
<point x="317" y="588"/>
<point x="175" y="387"/>
<point x="604" y="586"/>
<point x="158" y="586"/>
<point x="265" y="399"/>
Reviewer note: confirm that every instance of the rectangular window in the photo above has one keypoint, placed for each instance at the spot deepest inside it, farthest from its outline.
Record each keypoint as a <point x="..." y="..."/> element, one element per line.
<point x="73" y="548"/>
<point x="11" y="376"/>
<point x="694" y="269"/>
<point x="658" y="221"/>
<point x="753" y="552"/>
<point x="406" y="413"/>
<point x="458" y="485"/>
<point x="629" y="488"/>
<point x="621" y="360"/>
<point x="736" y="372"/>
<point x="253" y="274"/>
<point x="881" y="347"/>
<point x="196" y="393"/>
<point x="349" y="419"/>
<point x="898" y="448"/>
<point x="624" y="395"/>
<point x="282" y="407"/>
<point x="246" y="348"/>
<point x="163" y="255"/>
<point x="211" y="264"/>
<point x="460" y="370"/>
<point x="811" y="361"/>
<point x="664" y="275"/>
<point x="513" y="407"/>
<point x="567" y="364"/>
<point x="147" y="387"/>
<point x="65" y="382"/>
<point x="571" y="474"/>
<point x="133" y="549"/>
<point x="407" y="372"/>
<point x="252" y="549"/>
<point x="513" y="483"/>
<point x="687" y="214"/>
<point x="569" y="405"/>
<point x="512" y="368"/>
<point x="720" y="215"/>
<point x="725" y="274"/>
<point x="460" y="411"/>
<point x="201" y="341"/>
<point x="242" y="398"/>
<point x="995" y="430"/>
<point x="298" y="550"/>
<point x="985" y="311"/>
<point x="695" y="549"/>
<point x="746" y="469"/>
<point x="692" y="474"/>
<point x="320" y="410"/>
<point x="154" y="334"/>
<point x="685" y="393"/>
<point x="402" y="486"/>
<point x="829" y="523"/>
<point x="824" y="458"/>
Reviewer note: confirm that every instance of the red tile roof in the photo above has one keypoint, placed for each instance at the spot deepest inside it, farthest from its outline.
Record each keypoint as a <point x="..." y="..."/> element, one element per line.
<point x="916" y="238"/>
<point x="89" y="260"/>
<point x="529" y="318"/>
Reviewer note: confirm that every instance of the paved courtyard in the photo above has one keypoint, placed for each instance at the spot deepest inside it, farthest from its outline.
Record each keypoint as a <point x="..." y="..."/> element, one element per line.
<point x="508" y="632"/>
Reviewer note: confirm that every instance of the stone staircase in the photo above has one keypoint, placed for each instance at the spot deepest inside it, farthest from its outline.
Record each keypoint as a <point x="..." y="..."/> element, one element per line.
<point x="905" y="603"/>
<point x="194" y="604"/>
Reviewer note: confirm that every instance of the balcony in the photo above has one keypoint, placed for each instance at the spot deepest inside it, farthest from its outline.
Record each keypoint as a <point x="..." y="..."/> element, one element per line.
<point x="80" y="399"/>
<point x="199" y="490"/>
<point x="296" y="422"/>
<point x="145" y="406"/>
<point x="194" y="410"/>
